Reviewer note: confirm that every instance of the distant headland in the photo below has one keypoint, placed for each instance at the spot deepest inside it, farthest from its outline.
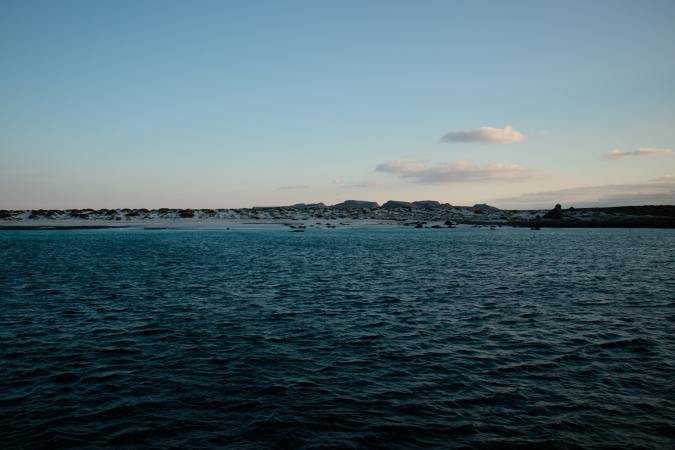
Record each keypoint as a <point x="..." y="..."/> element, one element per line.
<point x="417" y="214"/>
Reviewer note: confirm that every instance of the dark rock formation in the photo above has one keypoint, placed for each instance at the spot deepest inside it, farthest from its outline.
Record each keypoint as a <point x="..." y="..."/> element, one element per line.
<point x="427" y="204"/>
<point x="186" y="213"/>
<point x="480" y="208"/>
<point x="555" y="213"/>
<point x="356" y="204"/>
<point x="392" y="204"/>
<point x="307" y="206"/>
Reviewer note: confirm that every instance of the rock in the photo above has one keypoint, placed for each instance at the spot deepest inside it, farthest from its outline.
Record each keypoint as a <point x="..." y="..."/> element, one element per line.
<point x="356" y="204"/>
<point x="427" y="204"/>
<point x="480" y="208"/>
<point x="186" y="213"/>
<point x="307" y="206"/>
<point x="555" y="213"/>
<point x="392" y="204"/>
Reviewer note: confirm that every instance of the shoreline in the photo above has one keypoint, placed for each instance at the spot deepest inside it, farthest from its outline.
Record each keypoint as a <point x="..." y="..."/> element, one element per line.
<point x="434" y="215"/>
<point x="309" y="225"/>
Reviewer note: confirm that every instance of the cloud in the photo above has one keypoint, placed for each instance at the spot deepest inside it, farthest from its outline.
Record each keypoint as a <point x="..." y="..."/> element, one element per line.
<point x="660" y="191"/>
<point x="642" y="151"/>
<point x="459" y="171"/>
<point x="485" y="134"/>
<point x="295" y="186"/>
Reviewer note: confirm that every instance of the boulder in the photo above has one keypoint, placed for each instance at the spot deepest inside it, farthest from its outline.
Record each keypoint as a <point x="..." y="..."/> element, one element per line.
<point x="356" y="204"/>
<point x="307" y="206"/>
<point x="427" y="204"/>
<point x="392" y="204"/>
<point x="555" y="213"/>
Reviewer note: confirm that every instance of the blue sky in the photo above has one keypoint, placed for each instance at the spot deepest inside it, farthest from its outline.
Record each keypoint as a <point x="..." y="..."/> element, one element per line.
<point x="233" y="104"/>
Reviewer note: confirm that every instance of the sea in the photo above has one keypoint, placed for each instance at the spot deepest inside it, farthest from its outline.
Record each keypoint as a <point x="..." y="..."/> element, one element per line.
<point x="345" y="338"/>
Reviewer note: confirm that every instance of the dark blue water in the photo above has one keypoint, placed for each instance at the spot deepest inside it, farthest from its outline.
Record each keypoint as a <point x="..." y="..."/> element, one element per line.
<point x="337" y="338"/>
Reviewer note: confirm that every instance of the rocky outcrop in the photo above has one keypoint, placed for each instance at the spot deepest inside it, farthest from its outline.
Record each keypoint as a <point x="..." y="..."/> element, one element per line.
<point x="555" y="213"/>
<point x="427" y="204"/>
<point x="481" y="208"/>
<point x="356" y="204"/>
<point x="307" y="206"/>
<point x="392" y="204"/>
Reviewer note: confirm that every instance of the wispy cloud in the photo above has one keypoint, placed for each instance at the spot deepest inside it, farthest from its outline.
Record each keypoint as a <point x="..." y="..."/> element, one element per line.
<point x="459" y="171"/>
<point x="658" y="191"/>
<point x="295" y="186"/>
<point x="486" y="135"/>
<point x="642" y="151"/>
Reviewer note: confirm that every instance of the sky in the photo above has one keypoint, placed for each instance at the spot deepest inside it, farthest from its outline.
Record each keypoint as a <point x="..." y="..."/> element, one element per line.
<point x="221" y="104"/>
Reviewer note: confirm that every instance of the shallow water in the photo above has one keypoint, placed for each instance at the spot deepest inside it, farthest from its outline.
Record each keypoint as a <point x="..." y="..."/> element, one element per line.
<point x="337" y="338"/>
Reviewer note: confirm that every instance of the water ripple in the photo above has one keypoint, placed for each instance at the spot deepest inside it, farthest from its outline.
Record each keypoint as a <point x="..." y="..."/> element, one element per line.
<point x="337" y="339"/>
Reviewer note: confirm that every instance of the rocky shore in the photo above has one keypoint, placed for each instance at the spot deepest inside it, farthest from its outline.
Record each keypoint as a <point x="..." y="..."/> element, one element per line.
<point x="420" y="214"/>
